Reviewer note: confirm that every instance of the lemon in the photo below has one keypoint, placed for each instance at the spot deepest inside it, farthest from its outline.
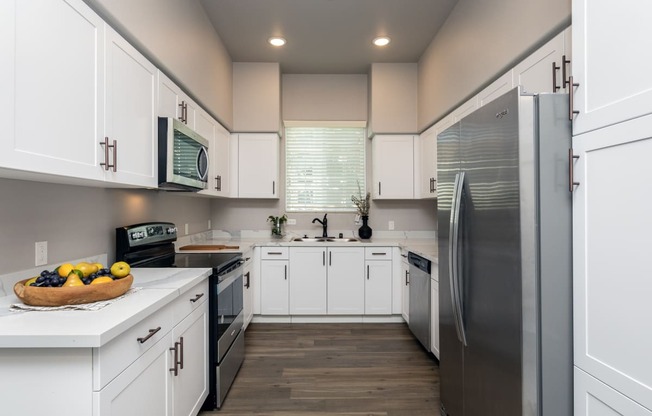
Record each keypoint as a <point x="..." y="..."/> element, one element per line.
<point x="120" y="269"/>
<point x="30" y="281"/>
<point x="101" y="279"/>
<point x="99" y="266"/>
<point x="65" y="269"/>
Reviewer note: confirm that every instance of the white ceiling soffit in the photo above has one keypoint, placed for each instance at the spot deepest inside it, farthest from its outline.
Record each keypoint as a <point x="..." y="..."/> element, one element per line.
<point x="327" y="36"/>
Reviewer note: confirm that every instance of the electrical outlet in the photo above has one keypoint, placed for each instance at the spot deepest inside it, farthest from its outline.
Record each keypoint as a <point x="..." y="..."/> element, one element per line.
<point x="390" y="226"/>
<point x="185" y="228"/>
<point x="41" y="251"/>
<point x="209" y="224"/>
<point x="292" y="221"/>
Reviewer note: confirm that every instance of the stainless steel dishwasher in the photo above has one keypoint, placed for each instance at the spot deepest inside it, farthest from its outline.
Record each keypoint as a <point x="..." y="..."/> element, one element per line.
<point x="420" y="298"/>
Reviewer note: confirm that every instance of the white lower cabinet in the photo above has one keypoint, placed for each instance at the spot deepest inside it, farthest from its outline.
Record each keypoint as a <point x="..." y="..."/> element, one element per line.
<point x="405" y="288"/>
<point x="247" y="289"/>
<point x="434" y="317"/>
<point x="594" y="398"/>
<point x="274" y="287"/>
<point x="308" y="281"/>
<point x="346" y="281"/>
<point x="378" y="281"/>
<point x="170" y="377"/>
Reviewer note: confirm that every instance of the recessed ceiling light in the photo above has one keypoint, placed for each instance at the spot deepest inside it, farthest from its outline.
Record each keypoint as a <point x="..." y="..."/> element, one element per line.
<point x="381" y="41"/>
<point x="276" y="41"/>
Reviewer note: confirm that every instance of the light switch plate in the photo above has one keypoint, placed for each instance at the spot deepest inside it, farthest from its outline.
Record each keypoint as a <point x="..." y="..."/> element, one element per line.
<point x="41" y="253"/>
<point x="292" y="221"/>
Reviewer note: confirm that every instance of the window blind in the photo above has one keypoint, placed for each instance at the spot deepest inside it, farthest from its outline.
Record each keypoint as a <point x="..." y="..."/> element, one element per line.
<point x="323" y="167"/>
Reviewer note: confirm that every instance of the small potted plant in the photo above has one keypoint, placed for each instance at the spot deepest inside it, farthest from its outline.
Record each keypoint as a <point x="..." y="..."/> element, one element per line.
<point x="277" y="225"/>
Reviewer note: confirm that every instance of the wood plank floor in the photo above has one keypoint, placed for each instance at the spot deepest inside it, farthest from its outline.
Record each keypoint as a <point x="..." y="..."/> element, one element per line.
<point x="333" y="369"/>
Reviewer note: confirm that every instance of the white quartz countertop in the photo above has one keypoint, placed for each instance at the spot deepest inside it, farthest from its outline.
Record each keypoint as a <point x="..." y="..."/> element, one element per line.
<point x="89" y="329"/>
<point x="425" y="247"/>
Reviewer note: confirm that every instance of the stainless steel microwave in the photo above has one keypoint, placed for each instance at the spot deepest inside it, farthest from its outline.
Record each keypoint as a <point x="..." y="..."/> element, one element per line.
<point x="182" y="157"/>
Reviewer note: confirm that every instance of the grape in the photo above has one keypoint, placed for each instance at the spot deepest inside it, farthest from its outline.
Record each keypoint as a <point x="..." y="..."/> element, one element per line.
<point x="40" y="279"/>
<point x="45" y="273"/>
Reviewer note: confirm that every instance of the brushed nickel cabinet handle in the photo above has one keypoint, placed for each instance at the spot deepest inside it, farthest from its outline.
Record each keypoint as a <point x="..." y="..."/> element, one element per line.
<point x="115" y="155"/>
<point x="274" y="253"/>
<point x="407" y="278"/>
<point x="564" y="64"/>
<point x="273" y="187"/>
<point x="181" y="352"/>
<point x="175" y="369"/>
<point x="286" y="271"/>
<point x="248" y="276"/>
<point x="379" y="189"/>
<point x="218" y="183"/>
<point x="571" y="104"/>
<point x="571" y="161"/>
<point x="197" y="297"/>
<point x="555" y="68"/>
<point x="151" y="333"/>
<point x="106" y="165"/>
<point x="367" y="272"/>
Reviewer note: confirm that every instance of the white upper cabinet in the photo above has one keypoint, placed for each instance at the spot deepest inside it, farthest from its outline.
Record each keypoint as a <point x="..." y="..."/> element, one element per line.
<point x="174" y="102"/>
<point x="611" y="62"/>
<point x="496" y="89"/>
<point x="543" y="70"/>
<point x="52" y="92"/>
<point x="428" y="165"/>
<point x="465" y="109"/>
<point x="393" y="166"/>
<point x="257" y="165"/>
<point x="130" y="114"/>
<point x="219" y="154"/>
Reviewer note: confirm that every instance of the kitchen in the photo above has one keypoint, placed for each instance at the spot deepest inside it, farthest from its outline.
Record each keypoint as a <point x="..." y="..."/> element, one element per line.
<point x="85" y="216"/>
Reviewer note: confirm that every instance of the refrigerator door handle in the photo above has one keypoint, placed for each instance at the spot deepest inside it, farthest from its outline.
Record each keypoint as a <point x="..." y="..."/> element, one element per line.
<point x="454" y="257"/>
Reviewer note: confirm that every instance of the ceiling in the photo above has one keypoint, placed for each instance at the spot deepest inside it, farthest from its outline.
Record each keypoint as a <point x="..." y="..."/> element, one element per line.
<point x="327" y="36"/>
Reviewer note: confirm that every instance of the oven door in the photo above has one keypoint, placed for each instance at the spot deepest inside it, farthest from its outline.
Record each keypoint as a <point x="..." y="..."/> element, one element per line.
<point x="228" y="316"/>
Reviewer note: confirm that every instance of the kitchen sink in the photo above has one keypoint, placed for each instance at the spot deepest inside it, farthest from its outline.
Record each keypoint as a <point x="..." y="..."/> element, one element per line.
<point x="324" y="240"/>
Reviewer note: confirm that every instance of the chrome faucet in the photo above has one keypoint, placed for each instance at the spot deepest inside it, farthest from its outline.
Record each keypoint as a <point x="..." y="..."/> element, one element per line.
<point x="324" y="224"/>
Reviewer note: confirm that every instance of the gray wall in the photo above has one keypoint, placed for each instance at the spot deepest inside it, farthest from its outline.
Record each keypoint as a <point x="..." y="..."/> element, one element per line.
<point x="79" y="221"/>
<point x="480" y="40"/>
<point x="180" y="39"/>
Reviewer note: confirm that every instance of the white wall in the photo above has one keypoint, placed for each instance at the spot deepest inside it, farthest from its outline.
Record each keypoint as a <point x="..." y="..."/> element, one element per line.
<point x="256" y="97"/>
<point x="180" y="39"/>
<point x="324" y="97"/>
<point x="79" y="221"/>
<point x="477" y="43"/>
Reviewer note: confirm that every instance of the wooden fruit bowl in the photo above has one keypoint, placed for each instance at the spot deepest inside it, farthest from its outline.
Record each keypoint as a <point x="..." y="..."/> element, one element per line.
<point x="76" y="295"/>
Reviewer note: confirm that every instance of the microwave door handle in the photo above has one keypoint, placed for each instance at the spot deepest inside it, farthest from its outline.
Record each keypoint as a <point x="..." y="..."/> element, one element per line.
<point x="201" y="175"/>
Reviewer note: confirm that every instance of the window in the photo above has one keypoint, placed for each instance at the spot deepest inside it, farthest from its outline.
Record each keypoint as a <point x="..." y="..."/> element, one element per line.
<point x="323" y="167"/>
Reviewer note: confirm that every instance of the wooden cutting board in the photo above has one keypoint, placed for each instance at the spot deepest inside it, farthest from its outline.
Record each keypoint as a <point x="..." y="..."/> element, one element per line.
<point x="213" y="247"/>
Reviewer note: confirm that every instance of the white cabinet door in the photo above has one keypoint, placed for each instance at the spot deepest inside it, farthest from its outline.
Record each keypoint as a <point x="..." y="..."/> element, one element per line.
<point x="378" y="287"/>
<point x="247" y="289"/>
<point x="143" y="389"/>
<point x="173" y="102"/>
<point x="51" y="82"/>
<point x="535" y="73"/>
<point x="258" y="165"/>
<point x="221" y="162"/>
<point x="393" y="166"/>
<point x="611" y="62"/>
<point x="190" y="384"/>
<point x="405" y="289"/>
<point x="428" y="178"/>
<point x="434" y="317"/>
<point x="130" y="114"/>
<point x="274" y="287"/>
<point x="345" y="280"/>
<point x="611" y="249"/>
<point x="465" y="109"/>
<point x="308" y="281"/>
<point x="594" y="398"/>
<point x="496" y="89"/>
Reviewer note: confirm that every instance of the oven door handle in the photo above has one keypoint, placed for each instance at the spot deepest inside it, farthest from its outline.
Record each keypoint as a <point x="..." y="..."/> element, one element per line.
<point x="229" y="278"/>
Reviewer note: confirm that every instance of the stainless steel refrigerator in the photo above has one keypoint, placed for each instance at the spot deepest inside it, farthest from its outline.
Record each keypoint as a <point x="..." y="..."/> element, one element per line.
<point x="504" y="217"/>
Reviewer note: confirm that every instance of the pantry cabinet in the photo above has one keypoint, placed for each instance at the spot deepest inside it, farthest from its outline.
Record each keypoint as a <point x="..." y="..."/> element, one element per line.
<point x="393" y="166"/>
<point x="51" y="79"/>
<point x="255" y="165"/>
<point x="611" y="221"/>
<point x="611" y="63"/>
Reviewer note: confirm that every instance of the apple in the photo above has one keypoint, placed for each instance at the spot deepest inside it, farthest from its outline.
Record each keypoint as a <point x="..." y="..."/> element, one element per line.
<point x="120" y="269"/>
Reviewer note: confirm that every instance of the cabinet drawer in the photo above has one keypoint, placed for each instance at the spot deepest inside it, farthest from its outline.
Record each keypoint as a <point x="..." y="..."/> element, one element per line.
<point x="274" y="253"/>
<point x="189" y="301"/>
<point x="111" y="359"/>
<point x="378" y="253"/>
